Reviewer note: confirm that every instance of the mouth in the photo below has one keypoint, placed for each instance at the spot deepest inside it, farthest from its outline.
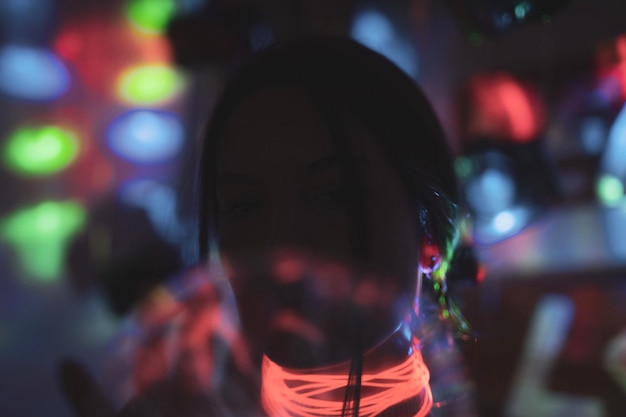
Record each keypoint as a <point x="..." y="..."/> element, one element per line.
<point x="290" y="322"/>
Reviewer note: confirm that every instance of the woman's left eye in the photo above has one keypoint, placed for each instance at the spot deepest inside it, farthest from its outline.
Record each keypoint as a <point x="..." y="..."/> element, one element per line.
<point x="327" y="198"/>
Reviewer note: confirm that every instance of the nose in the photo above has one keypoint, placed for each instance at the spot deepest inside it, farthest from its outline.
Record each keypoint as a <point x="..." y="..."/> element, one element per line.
<point x="287" y="230"/>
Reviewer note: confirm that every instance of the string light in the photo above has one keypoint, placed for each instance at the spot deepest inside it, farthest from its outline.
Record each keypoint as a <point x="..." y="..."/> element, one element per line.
<point x="305" y="394"/>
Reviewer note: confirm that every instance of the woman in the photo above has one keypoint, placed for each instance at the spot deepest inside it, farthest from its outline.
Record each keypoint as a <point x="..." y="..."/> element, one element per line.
<point x="326" y="187"/>
<point x="323" y="154"/>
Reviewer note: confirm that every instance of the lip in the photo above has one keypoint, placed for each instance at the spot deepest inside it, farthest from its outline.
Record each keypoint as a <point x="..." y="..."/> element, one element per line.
<point x="289" y="322"/>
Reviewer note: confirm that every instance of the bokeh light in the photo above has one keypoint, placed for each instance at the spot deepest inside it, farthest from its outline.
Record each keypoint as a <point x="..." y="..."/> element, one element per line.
<point x="610" y="190"/>
<point x="501" y="201"/>
<point x="40" y="151"/>
<point x="375" y="30"/>
<point x="614" y="158"/>
<point x="146" y="136"/>
<point x="40" y="234"/>
<point x="119" y="43"/>
<point x="593" y="134"/>
<point x="503" y="225"/>
<point x="492" y="191"/>
<point x="463" y="167"/>
<point x="150" y="16"/>
<point x="159" y="201"/>
<point x="149" y="84"/>
<point x="504" y="221"/>
<point x="31" y="73"/>
<point x="504" y="108"/>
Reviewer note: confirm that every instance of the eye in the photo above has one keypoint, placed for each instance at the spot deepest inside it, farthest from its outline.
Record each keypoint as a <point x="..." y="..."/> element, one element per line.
<point x="330" y="198"/>
<point x="240" y="208"/>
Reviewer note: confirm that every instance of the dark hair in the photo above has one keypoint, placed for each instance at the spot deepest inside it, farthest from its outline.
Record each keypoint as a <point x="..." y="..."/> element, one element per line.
<point x="339" y="74"/>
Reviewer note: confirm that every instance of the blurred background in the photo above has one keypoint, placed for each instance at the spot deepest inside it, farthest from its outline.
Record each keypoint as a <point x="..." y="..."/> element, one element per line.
<point x="102" y="103"/>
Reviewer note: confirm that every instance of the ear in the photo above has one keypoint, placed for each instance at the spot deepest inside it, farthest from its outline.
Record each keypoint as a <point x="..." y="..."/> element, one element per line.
<point x="430" y="257"/>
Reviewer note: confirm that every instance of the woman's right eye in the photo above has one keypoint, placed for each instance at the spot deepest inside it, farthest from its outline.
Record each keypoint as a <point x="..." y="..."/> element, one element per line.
<point x="240" y="208"/>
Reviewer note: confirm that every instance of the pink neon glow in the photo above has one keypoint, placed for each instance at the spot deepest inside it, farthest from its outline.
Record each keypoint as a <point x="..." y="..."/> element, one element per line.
<point x="303" y="393"/>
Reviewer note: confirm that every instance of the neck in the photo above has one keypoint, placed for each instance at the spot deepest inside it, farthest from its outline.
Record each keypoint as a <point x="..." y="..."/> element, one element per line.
<point x="394" y="375"/>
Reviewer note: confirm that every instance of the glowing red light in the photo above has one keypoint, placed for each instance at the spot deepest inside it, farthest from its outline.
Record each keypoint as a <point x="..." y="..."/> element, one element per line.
<point x="308" y="393"/>
<point x="503" y="108"/>
<point x="481" y="274"/>
<point x="101" y="48"/>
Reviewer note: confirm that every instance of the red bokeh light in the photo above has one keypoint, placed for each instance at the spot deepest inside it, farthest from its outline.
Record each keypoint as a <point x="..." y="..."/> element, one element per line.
<point x="100" y="48"/>
<point x="501" y="107"/>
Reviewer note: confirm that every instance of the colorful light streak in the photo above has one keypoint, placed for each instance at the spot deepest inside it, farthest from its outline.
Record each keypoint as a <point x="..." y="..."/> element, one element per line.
<point x="31" y="73"/>
<point x="149" y="84"/>
<point x="40" y="234"/>
<point x="146" y="136"/>
<point x="40" y="151"/>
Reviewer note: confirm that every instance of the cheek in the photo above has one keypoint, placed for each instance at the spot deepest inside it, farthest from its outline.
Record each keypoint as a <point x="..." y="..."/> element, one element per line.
<point x="243" y="235"/>
<point x="395" y="243"/>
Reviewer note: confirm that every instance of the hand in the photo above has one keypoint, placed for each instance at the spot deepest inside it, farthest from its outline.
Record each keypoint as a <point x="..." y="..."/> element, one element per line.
<point x="87" y="399"/>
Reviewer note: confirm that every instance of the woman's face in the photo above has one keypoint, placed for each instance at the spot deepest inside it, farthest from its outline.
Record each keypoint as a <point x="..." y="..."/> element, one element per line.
<point x="280" y="187"/>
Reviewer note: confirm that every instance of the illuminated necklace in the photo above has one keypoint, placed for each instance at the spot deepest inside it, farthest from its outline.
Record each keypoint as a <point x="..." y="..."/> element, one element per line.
<point x="302" y="393"/>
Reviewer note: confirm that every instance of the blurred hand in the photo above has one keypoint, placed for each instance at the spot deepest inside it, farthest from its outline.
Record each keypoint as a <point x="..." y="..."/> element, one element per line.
<point x="87" y="399"/>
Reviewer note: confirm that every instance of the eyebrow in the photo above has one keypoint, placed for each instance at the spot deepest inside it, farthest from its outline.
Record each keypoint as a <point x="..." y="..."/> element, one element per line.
<point x="312" y="169"/>
<point x="230" y="178"/>
<point x="332" y="161"/>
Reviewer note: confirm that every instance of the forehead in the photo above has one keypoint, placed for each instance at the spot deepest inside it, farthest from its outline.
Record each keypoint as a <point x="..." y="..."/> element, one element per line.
<point x="274" y="127"/>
